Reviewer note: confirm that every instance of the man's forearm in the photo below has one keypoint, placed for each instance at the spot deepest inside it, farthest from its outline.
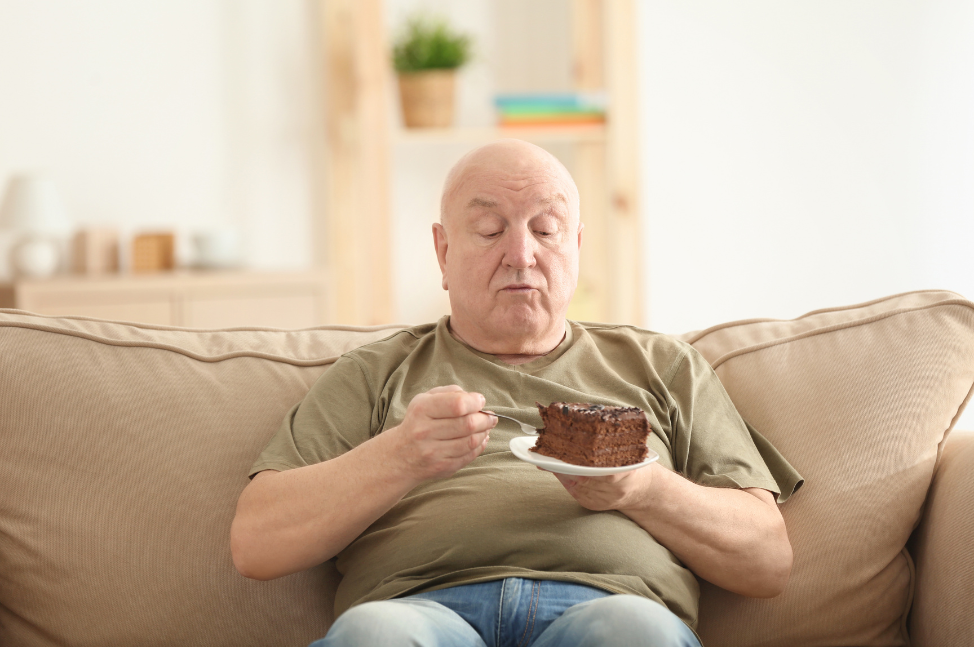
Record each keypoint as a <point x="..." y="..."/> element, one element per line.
<point x="289" y="521"/>
<point x="733" y="538"/>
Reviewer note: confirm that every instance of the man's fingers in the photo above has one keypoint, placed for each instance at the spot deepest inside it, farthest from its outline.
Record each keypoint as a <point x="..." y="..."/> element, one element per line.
<point x="445" y="389"/>
<point x="460" y="451"/>
<point x="460" y="428"/>
<point x="463" y="446"/>
<point x="479" y="449"/>
<point x="566" y="480"/>
<point x="453" y="404"/>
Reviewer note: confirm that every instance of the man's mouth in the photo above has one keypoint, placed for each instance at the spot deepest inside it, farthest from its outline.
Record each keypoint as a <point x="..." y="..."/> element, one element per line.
<point x="518" y="288"/>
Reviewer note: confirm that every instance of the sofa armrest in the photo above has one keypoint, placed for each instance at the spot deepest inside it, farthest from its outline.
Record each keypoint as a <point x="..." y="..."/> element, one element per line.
<point x="943" y="548"/>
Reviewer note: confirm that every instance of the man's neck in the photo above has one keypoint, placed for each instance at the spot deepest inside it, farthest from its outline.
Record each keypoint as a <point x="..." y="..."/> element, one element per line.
<point x="515" y="359"/>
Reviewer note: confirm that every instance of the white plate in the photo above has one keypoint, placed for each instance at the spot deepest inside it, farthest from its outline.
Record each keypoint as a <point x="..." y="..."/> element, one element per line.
<point x="521" y="446"/>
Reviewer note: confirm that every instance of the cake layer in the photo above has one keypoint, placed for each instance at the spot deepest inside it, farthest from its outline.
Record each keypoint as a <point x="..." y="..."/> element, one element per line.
<point x="595" y="441"/>
<point x="569" y="452"/>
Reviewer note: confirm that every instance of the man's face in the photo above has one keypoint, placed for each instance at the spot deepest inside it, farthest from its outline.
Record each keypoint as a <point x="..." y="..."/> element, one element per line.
<point x="508" y="249"/>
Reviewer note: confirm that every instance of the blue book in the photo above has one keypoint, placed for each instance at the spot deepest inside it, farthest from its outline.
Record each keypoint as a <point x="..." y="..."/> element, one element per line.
<point x="552" y="102"/>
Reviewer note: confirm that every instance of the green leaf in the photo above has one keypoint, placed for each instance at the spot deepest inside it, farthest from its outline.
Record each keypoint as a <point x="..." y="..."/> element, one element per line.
<point x="429" y="44"/>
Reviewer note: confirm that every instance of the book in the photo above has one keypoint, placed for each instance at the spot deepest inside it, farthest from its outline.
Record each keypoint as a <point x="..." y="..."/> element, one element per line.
<point x="551" y="109"/>
<point x="552" y="102"/>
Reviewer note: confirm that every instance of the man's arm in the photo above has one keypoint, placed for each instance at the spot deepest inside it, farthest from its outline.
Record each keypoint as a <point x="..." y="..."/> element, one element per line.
<point x="735" y="539"/>
<point x="289" y="521"/>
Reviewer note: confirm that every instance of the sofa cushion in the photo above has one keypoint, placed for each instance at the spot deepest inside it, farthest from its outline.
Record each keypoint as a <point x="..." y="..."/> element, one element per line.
<point x="860" y="400"/>
<point x="124" y="449"/>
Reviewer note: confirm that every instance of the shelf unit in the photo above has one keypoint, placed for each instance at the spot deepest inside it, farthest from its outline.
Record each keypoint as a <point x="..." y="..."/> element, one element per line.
<point x="354" y="243"/>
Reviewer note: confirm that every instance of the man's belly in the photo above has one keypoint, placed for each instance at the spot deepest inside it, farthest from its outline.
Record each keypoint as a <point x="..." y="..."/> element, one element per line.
<point x="501" y="517"/>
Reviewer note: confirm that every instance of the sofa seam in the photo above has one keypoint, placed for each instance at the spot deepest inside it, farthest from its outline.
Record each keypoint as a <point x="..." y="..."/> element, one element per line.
<point x="905" y="617"/>
<point x="744" y="322"/>
<point x="839" y="326"/>
<point x="321" y="361"/>
<point x="147" y="326"/>
<point x="954" y="420"/>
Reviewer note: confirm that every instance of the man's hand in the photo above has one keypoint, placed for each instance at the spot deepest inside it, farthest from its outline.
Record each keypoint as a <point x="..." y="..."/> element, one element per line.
<point x="442" y="431"/>
<point x="612" y="492"/>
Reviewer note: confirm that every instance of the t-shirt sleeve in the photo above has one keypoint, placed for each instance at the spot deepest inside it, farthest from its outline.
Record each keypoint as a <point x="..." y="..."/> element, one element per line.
<point x="335" y="416"/>
<point x="712" y="444"/>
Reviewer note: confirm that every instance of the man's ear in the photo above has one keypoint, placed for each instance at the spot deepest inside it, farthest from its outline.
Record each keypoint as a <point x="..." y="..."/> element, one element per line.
<point x="581" y="226"/>
<point x="440" y="244"/>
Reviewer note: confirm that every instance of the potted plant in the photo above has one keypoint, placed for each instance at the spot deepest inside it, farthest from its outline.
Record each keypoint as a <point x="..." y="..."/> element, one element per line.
<point x="426" y="57"/>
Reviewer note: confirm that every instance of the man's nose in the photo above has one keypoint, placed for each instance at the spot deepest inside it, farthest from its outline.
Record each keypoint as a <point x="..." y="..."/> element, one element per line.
<point x="520" y="248"/>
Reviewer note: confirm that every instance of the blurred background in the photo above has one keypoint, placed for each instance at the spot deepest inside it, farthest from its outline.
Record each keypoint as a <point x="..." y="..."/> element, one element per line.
<point x="753" y="159"/>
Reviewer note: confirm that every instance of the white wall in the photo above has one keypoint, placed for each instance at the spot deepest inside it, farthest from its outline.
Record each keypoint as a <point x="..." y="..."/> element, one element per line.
<point x="172" y="114"/>
<point x="804" y="155"/>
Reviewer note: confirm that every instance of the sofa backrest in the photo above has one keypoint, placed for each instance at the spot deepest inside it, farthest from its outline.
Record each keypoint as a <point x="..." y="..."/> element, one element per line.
<point x="125" y="447"/>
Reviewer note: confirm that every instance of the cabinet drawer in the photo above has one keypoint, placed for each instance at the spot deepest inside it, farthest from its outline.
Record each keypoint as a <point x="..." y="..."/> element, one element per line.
<point x="143" y="306"/>
<point x="194" y="300"/>
<point x="158" y="313"/>
<point x="287" y="311"/>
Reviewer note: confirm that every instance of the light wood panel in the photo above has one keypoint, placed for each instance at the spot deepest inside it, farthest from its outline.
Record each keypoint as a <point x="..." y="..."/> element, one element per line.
<point x="622" y="163"/>
<point x="591" y="300"/>
<point x="355" y="243"/>
<point x="267" y="310"/>
<point x="156" y="312"/>
<point x="588" y="64"/>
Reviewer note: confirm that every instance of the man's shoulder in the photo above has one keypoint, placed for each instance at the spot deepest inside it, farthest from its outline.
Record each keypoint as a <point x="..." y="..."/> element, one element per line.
<point x="635" y="334"/>
<point x="392" y="350"/>
<point x="632" y="344"/>
<point x="399" y="341"/>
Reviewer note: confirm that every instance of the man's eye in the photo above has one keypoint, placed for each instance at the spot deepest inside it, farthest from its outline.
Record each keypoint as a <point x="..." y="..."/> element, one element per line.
<point x="493" y="234"/>
<point x="544" y="233"/>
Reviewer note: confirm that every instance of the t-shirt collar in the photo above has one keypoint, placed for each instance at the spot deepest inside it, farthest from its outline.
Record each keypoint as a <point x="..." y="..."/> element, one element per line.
<point x="443" y="332"/>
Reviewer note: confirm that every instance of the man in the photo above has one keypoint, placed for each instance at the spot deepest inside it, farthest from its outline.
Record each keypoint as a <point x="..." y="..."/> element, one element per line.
<point x="391" y="466"/>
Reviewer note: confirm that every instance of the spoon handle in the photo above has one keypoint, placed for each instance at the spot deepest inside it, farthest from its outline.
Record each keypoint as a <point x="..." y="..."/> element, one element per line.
<point x="525" y="427"/>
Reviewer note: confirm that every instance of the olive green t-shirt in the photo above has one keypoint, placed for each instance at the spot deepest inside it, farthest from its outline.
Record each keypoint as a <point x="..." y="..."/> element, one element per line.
<point x="499" y="516"/>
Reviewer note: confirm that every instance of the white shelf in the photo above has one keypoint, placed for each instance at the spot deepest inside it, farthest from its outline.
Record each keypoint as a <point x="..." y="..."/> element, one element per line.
<point x="570" y="134"/>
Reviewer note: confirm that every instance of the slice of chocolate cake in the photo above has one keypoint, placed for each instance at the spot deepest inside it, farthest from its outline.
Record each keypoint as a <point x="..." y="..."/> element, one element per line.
<point x="592" y="434"/>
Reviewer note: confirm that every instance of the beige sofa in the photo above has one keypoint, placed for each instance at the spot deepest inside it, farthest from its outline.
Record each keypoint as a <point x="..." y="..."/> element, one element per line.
<point x="123" y="449"/>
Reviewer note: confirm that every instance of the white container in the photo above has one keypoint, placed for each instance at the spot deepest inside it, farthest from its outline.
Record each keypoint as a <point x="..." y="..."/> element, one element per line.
<point x="33" y="211"/>
<point x="218" y="249"/>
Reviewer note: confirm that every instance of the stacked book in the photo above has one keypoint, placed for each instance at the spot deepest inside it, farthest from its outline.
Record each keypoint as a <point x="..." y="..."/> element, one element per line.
<point x="551" y="109"/>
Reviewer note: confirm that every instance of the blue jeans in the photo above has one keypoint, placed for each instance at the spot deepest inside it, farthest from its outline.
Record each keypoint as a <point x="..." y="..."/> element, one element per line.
<point x="513" y="612"/>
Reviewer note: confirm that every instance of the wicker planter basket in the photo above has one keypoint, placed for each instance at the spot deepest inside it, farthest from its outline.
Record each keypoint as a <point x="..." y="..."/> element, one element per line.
<point x="427" y="98"/>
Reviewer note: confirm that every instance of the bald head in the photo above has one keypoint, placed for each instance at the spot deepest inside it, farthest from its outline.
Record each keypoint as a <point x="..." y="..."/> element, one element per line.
<point x="506" y="160"/>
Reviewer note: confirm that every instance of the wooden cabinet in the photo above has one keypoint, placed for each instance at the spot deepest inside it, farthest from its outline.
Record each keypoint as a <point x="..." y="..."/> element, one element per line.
<point x="189" y="299"/>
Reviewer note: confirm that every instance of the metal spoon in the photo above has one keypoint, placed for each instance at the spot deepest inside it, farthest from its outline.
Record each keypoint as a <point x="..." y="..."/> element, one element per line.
<point x="525" y="427"/>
